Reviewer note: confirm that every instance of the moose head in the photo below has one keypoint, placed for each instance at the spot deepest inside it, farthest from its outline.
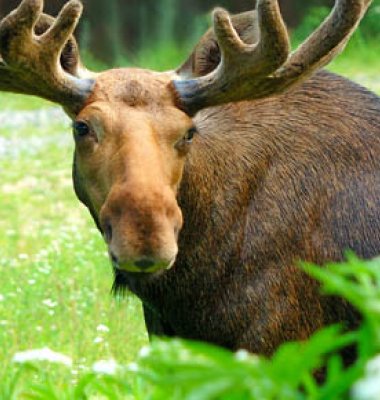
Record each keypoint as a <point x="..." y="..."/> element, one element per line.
<point x="134" y="128"/>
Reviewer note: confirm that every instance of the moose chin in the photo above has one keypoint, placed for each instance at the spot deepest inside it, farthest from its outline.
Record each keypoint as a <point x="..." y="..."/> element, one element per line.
<point x="211" y="182"/>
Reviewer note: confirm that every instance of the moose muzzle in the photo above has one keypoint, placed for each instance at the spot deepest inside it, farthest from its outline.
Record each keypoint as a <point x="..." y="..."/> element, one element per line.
<point x="141" y="228"/>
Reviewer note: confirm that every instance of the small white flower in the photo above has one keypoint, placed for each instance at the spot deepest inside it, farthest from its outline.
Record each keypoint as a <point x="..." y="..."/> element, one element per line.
<point x="44" y="354"/>
<point x="49" y="303"/>
<point x="368" y="388"/>
<point x="2" y="297"/>
<point x="102" y="328"/>
<point x="23" y="256"/>
<point x="133" y="367"/>
<point x="98" y="340"/>
<point x="31" y="281"/>
<point x="105" y="367"/>
<point x="144" y="352"/>
<point x="242" y="355"/>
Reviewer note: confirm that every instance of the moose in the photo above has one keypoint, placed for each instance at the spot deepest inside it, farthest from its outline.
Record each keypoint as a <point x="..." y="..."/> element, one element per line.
<point x="210" y="183"/>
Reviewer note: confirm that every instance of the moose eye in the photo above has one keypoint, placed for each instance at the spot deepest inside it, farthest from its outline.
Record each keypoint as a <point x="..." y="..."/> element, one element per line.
<point x="190" y="134"/>
<point x="81" y="129"/>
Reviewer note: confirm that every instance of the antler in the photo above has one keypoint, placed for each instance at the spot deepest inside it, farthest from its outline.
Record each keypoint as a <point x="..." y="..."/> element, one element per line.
<point x="33" y="64"/>
<point x="248" y="72"/>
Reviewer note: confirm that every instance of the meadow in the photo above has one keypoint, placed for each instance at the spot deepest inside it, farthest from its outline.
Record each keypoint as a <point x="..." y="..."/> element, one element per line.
<point x="55" y="275"/>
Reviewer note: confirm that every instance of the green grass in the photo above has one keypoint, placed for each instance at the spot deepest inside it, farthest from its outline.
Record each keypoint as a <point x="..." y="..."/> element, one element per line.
<point x="361" y="63"/>
<point x="56" y="278"/>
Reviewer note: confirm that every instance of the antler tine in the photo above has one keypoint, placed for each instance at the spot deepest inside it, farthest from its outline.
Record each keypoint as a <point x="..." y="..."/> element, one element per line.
<point x="240" y="61"/>
<point x="31" y="63"/>
<point x="24" y="18"/>
<point x="248" y="72"/>
<point x="268" y="54"/>
<point x="327" y="41"/>
<point x="59" y="33"/>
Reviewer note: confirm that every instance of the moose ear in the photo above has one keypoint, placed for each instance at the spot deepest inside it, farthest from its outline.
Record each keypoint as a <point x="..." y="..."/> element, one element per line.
<point x="206" y="55"/>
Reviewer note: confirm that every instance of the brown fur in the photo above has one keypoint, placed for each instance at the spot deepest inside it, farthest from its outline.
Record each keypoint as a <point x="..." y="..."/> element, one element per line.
<point x="266" y="184"/>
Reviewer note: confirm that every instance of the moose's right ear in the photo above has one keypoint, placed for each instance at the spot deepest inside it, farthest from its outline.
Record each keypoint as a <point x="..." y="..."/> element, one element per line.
<point x="206" y="55"/>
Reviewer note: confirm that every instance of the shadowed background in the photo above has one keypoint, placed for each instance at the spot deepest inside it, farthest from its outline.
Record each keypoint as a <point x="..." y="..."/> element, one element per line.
<point x="111" y="28"/>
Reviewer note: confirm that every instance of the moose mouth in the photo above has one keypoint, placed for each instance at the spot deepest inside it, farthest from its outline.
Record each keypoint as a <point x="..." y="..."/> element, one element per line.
<point x="142" y="266"/>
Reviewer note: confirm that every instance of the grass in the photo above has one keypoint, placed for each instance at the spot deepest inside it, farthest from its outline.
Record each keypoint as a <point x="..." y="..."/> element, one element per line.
<point x="56" y="278"/>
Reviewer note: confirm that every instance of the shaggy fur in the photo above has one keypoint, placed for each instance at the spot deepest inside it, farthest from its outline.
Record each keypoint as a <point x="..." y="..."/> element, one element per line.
<point x="267" y="184"/>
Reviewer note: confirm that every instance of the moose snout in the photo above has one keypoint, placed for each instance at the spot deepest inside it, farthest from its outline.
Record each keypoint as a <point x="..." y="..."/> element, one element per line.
<point x="141" y="231"/>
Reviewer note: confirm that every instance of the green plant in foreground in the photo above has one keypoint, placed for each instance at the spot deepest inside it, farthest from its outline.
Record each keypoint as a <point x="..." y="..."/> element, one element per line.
<point x="183" y="370"/>
<point x="177" y="369"/>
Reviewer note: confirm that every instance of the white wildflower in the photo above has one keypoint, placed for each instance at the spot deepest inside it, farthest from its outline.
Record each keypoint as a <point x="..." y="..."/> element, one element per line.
<point x="144" y="352"/>
<point x="102" y="328"/>
<point x="43" y="253"/>
<point x="31" y="282"/>
<point x="98" y="340"/>
<point x="242" y="355"/>
<point x="44" y="354"/>
<point x="105" y="367"/>
<point x="368" y="388"/>
<point x="49" y="303"/>
<point x="2" y="298"/>
<point x="133" y="367"/>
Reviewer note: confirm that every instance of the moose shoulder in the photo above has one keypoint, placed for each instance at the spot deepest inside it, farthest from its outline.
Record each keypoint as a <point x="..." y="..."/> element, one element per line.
<point x="211" y="183"/>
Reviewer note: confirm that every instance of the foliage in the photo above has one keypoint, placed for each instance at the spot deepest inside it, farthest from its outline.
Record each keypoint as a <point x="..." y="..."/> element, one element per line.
<point x="183" y="370"/>
<point x="176" y="369"/>
<point x="368" y="31"/>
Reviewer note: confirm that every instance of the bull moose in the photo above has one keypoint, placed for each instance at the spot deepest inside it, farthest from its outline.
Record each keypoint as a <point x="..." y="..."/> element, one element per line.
<point x="211" y="182"/>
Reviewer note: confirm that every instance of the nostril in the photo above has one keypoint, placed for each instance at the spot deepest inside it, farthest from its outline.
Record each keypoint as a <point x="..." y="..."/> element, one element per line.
<point x="144" y="263"/>
<point x="108" y="231"/>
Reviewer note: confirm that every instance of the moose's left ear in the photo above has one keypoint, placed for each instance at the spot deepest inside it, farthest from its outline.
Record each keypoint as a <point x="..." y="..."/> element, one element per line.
<point x="206" y="55"/>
